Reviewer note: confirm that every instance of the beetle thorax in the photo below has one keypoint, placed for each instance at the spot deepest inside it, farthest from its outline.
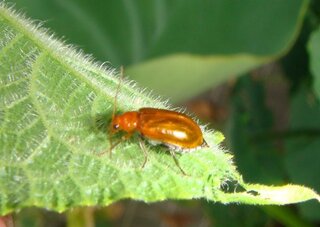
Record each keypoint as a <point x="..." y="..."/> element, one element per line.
<point x="127" y="122"/>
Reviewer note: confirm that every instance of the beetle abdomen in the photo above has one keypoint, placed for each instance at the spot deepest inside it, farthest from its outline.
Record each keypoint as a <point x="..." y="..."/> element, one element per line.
<point x="175" y="130"/>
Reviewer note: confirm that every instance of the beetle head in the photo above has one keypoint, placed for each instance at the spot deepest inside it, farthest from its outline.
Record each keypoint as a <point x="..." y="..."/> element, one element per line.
<point x="125" y="122"/>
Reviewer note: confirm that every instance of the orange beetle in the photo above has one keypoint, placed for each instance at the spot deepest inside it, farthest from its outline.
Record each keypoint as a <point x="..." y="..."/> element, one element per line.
<point x="172" y="129"/>
<point x="175" y="130"/>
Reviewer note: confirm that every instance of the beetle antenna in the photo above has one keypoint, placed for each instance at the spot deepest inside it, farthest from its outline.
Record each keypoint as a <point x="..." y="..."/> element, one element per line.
<point x="114" y="111"/>
<point x="117" y="92"/>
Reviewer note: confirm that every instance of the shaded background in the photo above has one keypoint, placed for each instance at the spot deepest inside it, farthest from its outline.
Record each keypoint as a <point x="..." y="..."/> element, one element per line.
<point x="241" y="66"/>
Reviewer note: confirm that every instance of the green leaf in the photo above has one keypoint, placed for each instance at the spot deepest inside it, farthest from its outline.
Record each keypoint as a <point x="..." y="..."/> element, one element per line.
<point x="189" y="70"/>
<point x="55" y="105"/>
<point x="126" y="32"/>
<point x="280" y="195"/>
<point x="314" y="52"/>
<point x="165" y="43"/>
<point x="207" y="43"/>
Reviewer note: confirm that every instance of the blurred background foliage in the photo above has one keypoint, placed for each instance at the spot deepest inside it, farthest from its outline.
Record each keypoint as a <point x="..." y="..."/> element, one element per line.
<point x="248" y="68"/>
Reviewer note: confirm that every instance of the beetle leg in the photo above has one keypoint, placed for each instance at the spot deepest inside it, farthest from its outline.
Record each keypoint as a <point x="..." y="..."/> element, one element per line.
<point x="110" y="149"/>
<point x="113" y="145"/>
<point x="126" y="136"/>
<point x="177" y="162"/>
<point x="123" y="138"/>
<point x="145" y="153"/>
<point x="204" y="144"/>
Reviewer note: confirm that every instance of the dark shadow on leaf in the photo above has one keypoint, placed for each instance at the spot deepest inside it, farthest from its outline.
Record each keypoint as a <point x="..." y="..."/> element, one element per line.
<point x="232" y="187"/>
<point x="101" y="122"/>
<point x="254" y="193"/>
